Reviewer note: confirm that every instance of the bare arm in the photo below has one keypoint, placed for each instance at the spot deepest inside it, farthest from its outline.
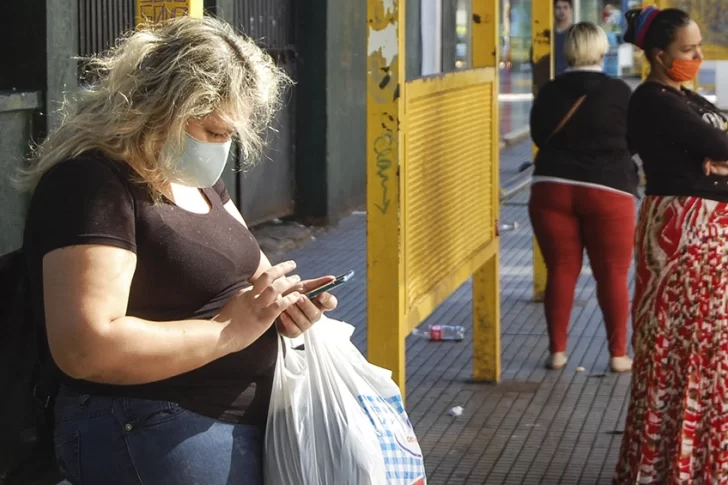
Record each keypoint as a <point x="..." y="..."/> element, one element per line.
<point x="86" y="290"/>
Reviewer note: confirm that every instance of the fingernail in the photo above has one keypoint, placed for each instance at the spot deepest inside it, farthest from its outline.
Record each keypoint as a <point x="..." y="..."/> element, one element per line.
<point x="302" y="299"/>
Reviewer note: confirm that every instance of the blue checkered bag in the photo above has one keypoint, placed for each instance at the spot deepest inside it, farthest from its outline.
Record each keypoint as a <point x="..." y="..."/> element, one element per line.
<point x="403" y="459"/>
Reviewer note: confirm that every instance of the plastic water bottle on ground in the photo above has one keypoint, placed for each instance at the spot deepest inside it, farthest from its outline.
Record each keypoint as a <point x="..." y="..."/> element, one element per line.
<point x="437" y="333"/>
<point x="508" y="226"/>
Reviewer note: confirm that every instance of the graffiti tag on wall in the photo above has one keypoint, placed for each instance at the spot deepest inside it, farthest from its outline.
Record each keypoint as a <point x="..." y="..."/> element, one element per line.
<point x="155" y="11"/>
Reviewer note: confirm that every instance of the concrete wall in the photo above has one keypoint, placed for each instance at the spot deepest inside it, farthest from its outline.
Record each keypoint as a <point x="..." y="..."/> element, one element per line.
<point x="331" y="109"/>
<point x="22" y="60"/>
<point x="346" y="106"/>
<point x="23" y="79"/>
<point x="17" y="113"/>
<point x="61" y="48"/>
<point x="330" y="105"/>
<point x="312" y="185"/>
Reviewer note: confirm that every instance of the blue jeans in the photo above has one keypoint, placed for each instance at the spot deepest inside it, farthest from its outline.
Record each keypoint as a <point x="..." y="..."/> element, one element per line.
<point x="124" y="441"/>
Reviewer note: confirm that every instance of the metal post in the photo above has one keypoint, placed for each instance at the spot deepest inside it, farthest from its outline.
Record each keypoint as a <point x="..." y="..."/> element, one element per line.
<point x="543" y="71"/>
<point x="385" y="272"/>
<point x="486" y="280"/>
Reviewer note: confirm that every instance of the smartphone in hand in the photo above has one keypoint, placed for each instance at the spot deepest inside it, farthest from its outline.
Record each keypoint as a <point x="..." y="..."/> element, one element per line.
<point x="340" y="280"/>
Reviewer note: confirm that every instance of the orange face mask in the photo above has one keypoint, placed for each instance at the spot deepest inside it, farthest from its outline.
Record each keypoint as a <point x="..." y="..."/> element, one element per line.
<point x="683" y="70"/>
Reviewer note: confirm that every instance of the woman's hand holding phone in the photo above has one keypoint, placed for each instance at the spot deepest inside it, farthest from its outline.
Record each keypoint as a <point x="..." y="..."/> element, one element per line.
<point x="305" y="312"/>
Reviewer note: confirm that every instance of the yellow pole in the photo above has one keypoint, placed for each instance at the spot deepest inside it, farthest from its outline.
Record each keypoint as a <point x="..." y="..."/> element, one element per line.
<point x="157" y="10"/>
<point x="385" y="272"/>
<point x="486" y="280"/>
<point x="543" y="71"/>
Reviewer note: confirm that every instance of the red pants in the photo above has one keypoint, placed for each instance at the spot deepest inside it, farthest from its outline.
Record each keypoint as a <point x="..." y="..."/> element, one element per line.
<point x="566" y="219"/>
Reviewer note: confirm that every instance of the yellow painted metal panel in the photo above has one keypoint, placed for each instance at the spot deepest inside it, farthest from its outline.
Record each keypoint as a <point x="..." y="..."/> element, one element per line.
<point x="645" y="68"/>
<point x="158" y="10"/>
<point x="543" y="60"/>
<point x="486" y="321"/>
<point x="539" y="273"/>
<point x="448" y="181"/>
<point x="485" y="38"/>
<point x="385" y="314"/>
<point x="432" y="176"/>
<point x="542" y="27"/>
<point x="418" y="88"/>
<point x="486" y="278"/>
<point x="424" y="307"/>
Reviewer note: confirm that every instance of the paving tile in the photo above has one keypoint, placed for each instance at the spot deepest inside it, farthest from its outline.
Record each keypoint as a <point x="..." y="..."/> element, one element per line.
<point x="537" y="426"/>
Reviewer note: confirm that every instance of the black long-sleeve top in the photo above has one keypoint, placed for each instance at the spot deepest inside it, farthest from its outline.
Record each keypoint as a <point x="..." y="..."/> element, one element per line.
<point x="592" y="147"/>
<point x="674" y="131"/>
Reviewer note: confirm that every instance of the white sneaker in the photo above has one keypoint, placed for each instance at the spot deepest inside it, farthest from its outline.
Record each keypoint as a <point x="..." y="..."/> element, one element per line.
<point x="556" y="360"/>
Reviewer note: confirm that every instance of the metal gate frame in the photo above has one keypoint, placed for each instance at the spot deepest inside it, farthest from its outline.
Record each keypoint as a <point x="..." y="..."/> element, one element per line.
<point x="404" y="286"/>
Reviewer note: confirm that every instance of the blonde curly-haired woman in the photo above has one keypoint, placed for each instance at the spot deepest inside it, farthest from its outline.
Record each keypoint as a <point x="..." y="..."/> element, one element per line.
<point x="160" y="311"/>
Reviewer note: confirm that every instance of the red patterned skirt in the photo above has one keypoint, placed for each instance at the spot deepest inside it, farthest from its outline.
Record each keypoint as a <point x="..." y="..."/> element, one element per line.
<point x="677" y="424"/>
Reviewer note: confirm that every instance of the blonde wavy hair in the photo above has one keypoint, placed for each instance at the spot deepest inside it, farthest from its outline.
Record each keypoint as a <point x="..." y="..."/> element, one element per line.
<point x="150" y="84"/>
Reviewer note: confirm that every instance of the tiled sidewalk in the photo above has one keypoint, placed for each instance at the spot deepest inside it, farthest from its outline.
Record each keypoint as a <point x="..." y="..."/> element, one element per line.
<point x="537" y="426"/>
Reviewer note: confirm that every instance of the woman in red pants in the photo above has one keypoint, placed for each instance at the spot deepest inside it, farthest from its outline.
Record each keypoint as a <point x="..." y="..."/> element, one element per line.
<point x="582" y="192"/>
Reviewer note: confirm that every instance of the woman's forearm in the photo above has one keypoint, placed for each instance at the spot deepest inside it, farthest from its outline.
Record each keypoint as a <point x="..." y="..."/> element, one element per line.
<point x="133" y="351"/>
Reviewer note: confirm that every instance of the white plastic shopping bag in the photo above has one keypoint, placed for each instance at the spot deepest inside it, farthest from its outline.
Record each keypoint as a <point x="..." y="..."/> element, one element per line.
<point x="336" y="419"/>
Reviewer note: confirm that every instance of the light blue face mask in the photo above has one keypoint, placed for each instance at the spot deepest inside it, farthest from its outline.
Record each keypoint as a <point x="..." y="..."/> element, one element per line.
<point x="201" y="163"/>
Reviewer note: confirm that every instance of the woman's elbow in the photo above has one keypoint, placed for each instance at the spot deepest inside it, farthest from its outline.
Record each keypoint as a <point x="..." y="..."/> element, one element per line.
<point x="80" y="357"/>
<point x="76" y="363"/>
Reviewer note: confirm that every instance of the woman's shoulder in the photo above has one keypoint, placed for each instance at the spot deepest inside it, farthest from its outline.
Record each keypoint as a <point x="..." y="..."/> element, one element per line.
<point x="549" y="86"/>
<point x="87" y="169"/>
<point x="590" y="82"/>
<point x="616" y="84"/>
<point x="84" y="199"/>
<point x="91" y="176"/>
<point x="650" y="92"/>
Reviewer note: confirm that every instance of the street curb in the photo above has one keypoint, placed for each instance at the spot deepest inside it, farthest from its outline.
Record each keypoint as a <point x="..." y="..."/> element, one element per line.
<point x="515" y="137"/>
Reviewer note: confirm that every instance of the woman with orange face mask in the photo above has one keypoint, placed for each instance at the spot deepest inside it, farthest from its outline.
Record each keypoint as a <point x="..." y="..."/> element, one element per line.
<point x="677" y="422"/>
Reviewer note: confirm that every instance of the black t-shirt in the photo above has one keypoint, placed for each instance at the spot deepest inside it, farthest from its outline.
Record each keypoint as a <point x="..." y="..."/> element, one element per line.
<point x="673" y="132"/>
<point x="188" y="266"/>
